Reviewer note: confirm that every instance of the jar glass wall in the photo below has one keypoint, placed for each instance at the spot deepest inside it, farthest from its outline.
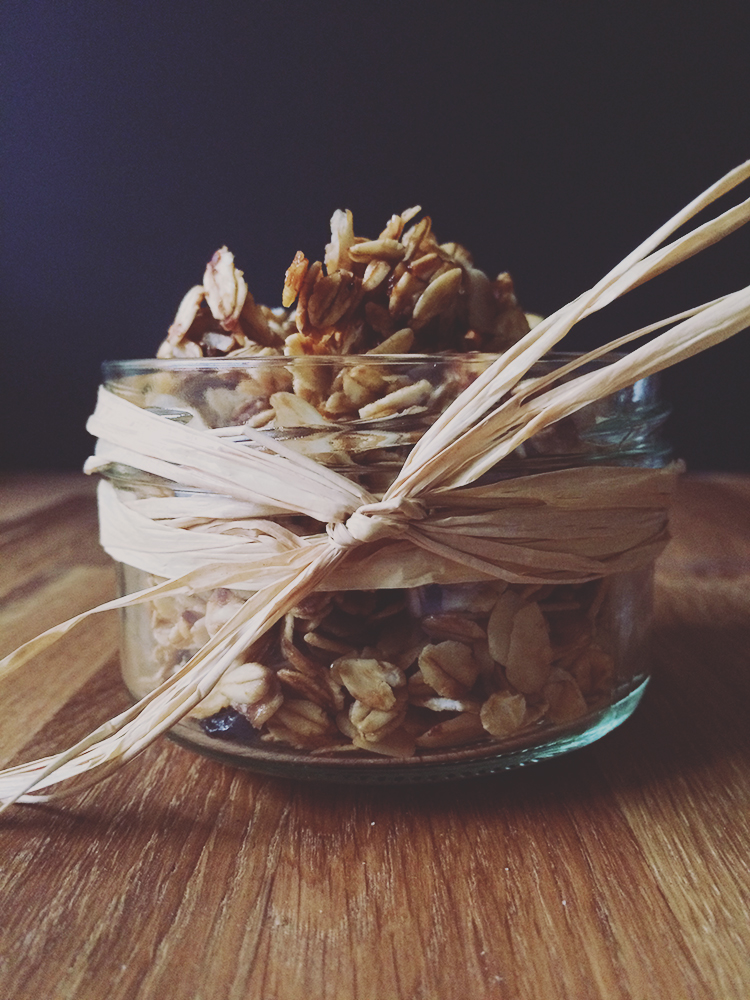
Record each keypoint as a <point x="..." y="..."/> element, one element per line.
<point x="403" y="683"/>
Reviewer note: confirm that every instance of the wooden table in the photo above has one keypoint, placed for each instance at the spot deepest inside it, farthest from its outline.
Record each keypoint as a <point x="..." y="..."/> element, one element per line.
<point x="619" y="871"/>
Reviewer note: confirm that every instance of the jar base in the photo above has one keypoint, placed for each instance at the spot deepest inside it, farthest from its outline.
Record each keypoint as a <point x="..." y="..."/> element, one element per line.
<point x="462" y="762"/>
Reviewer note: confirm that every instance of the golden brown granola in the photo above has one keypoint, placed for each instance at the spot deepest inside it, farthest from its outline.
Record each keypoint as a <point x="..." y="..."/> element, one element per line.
<point x="370" y="670"/>
<point x="403" y="285"/>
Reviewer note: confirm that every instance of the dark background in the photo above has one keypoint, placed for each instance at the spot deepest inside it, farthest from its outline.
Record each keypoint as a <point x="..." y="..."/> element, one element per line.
<point x="549" y="138"/>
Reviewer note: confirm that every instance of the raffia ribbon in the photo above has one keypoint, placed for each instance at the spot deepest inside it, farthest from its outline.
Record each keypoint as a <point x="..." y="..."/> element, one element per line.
<point x="567" y="526"/>
<point x="583" y="524"/>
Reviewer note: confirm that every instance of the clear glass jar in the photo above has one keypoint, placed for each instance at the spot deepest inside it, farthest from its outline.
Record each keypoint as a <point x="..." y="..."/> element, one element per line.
<point x="400" y="684"/>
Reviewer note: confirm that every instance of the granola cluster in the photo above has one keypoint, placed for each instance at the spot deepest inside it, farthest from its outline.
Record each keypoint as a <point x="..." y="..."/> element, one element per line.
<point x="402" y="292"/>
<point x="402" y="672"/>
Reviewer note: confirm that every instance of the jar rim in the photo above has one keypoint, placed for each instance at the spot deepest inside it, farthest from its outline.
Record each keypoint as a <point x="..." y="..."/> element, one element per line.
<point x="553" y="359"/>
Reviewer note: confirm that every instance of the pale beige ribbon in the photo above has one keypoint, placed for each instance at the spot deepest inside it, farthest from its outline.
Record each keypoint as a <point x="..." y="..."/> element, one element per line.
<point x="565" y="526"/>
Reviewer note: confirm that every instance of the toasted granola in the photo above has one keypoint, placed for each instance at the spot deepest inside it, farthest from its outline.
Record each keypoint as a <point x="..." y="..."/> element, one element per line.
<point x="365" y="292"/>
<point x="395" y="673"/>
<point x="371" y="671"/>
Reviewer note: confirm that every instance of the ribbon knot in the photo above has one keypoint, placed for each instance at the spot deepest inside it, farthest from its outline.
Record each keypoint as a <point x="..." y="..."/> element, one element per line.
<point x="373" y="521"/>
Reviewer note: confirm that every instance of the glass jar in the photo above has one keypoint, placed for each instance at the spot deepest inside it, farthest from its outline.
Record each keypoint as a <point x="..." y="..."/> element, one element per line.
<point x="428" y="680"/>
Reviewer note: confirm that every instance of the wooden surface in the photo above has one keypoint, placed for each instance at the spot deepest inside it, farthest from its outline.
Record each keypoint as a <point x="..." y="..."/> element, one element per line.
<point x="619" y="871"/>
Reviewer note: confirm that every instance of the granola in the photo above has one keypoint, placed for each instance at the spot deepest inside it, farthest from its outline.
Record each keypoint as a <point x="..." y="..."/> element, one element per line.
<point x="371" y="671"/>
<point x="390" y="672"/>
<point x="366" y="291"/>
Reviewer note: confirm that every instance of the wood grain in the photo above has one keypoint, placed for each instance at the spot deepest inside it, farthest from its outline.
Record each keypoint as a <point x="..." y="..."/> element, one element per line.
<point x="619" y="871"/>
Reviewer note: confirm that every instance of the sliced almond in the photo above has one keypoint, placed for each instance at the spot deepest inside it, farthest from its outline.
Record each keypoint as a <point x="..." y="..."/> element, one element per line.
<point x="295" y="275"/>
<point x="426" y="266"/>
<point x="503" y="713"/>
<point x="529" y="653"/>
<point x="302" y="318"/>
<point x="461" y="729"/>
<point x="373" y="724"/>
<point x="293" y="411"/>
<point x="370" y="681"/>
<point x="297" y="659"/>
<point x="325" y="642"/>
<point x="566" y="702"/>
<point x="301" y="723"/>
<point x="309" y="688"/>
<point x="186" y="314"/>
<point x="449" y="626"/>
<point x="399" y="342"/>
<point x="332" y="296"/>
<point x="400" y="399"/>
<point x="415" y="238"/>
<point x="375" y="274"/>
<point x="482" y="307"/>
<point x="405" y="292"/>
<point x="225" y="288"/>
<point x="342" y="240"/>
<point x="500" y="625"/>
<point x="259" y="712"/>
<point x="437" y="297"/>
<point x="384" y="249"/>
<point x="449" y="667"/>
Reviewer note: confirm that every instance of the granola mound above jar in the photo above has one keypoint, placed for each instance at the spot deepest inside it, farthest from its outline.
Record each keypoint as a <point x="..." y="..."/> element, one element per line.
<point x="402" y="292"/>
